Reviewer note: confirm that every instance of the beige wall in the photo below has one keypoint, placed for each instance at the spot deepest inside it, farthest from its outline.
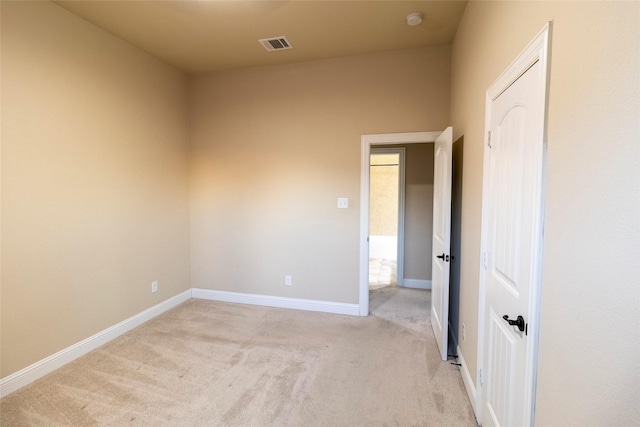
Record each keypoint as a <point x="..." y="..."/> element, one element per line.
<point x="94" y="181"/>
<point x="589" y="347"/>
<point x="272" y="150"/>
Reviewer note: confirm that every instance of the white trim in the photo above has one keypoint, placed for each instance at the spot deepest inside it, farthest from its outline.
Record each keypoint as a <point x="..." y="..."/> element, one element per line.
<point x="417" y="283"/>
<point x="468" y="383"/>
<point x="401" y="138"/>
<point x="280" y="302"/>
<point x="41" y="368"/>
<point x="367" y="141"/>
<point x="402" y="155"/>
<point x="537" y="50"/>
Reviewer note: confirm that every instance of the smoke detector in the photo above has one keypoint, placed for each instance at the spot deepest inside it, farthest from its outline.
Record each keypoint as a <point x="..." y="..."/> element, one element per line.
<point x="414" y="19"/>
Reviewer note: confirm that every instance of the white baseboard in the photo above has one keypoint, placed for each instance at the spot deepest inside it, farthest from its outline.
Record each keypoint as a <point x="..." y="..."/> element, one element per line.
<point x="39" y="369"/>
<point x="468" y="382"/>
<point x="416" y="283"/>
<point x="280" y="302"/>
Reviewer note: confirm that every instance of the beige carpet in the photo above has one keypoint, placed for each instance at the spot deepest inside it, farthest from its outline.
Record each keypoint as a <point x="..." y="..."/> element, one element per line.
<point x="217" y="364"/>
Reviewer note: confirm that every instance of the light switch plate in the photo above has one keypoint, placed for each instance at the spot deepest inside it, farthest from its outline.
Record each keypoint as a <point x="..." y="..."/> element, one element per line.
<point x="343" y="203"/>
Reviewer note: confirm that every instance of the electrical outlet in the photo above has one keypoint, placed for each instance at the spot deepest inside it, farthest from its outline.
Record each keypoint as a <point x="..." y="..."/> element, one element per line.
<point x="154" y="286"/>
<point x="464" y="332"/>
<point x="287" y="280"/>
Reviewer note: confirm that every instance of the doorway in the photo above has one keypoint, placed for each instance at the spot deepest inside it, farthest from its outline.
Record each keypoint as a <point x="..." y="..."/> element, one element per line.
<point x="386" y="216"/>
<point x="369" y="143"/>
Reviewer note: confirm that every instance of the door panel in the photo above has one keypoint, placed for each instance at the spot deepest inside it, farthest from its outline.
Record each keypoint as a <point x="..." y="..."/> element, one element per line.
<point x="501" y="362"/>
<point x="441" y="239"/>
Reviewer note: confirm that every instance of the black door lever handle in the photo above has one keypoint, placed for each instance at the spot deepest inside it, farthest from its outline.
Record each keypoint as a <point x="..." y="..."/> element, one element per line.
<point x="443" y="257"/>
<point x="519" y="322"/>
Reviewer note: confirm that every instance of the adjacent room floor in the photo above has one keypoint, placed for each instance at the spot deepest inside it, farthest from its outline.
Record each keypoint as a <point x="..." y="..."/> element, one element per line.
<point x="208" y="363"/>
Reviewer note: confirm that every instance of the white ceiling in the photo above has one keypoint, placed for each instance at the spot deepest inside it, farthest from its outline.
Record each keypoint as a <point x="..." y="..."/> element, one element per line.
<point x="205" y="35"/>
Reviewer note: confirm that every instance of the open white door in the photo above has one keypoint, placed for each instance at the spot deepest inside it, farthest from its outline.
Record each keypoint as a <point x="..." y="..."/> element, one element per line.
<point x="441" y="239"/>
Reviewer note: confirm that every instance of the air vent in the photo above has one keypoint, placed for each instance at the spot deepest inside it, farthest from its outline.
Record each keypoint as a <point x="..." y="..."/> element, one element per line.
<point x="276" y="43"/>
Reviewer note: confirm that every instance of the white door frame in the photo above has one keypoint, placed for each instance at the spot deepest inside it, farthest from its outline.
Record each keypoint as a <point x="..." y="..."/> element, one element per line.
<point x="401" y="152"/>
<point x="368" y="141"/>
<point x="536" y="50"/>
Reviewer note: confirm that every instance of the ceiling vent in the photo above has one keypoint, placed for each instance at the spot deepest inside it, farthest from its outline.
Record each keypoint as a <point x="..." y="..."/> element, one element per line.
<point x="276" y="43"/>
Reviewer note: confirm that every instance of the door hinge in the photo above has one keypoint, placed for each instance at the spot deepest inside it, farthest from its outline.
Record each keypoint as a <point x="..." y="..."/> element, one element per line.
<point x="485" y="260"/>
<point x="480" y="377"/>
<point x="489" y="138"/>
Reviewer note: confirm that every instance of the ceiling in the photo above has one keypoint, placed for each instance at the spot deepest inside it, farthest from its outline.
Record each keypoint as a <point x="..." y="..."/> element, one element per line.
<point x="204" y="35"/>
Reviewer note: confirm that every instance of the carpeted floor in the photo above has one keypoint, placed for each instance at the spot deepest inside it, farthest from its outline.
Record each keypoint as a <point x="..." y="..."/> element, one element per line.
<point x="217" y="364"/>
